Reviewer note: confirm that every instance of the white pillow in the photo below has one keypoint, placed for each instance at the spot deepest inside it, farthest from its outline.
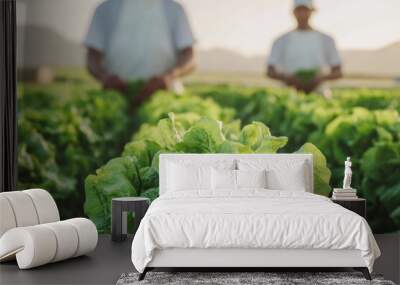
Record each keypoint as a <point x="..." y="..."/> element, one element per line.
<point x="181" y="177"/>
<point x="251" y="178"/>
<point x="295" y="180"/>
<point x="223" y="179"/>
<point x="282" y="174"/>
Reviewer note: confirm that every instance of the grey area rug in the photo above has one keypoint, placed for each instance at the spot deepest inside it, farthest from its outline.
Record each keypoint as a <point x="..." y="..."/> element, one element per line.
<point x="236" y="278"/>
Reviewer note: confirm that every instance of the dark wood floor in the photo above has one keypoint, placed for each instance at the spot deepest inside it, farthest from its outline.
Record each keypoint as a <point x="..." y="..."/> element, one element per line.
<point x="103" y="266"/>
<point x="110" y="260"/>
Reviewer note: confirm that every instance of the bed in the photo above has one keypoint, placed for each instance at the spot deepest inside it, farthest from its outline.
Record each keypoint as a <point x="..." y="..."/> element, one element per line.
<point x="228" y="219"/>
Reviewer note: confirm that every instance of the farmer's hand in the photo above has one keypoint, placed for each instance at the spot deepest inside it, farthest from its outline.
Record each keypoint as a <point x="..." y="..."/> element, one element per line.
<point x="312" y="85"/>
<point x="155" y="83"/>
<point x="113" y="82"/>
<point x="293" y="81"/>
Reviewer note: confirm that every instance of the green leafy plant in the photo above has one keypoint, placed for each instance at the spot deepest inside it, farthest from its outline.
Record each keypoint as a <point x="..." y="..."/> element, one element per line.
<point x="361" y="123"/>
<point x="173" y="134"/>
<point x="66" y="131"/>
<point x="306" y="75"/>
<point x="62" y="138"/>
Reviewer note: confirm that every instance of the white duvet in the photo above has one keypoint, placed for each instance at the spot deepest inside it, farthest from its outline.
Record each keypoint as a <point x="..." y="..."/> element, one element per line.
<point x="250" y="219"/>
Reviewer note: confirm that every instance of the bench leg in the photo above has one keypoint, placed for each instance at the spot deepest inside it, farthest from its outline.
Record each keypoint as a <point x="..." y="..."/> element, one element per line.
<point x="364" y="271"/>
<point x="143" y="274"/>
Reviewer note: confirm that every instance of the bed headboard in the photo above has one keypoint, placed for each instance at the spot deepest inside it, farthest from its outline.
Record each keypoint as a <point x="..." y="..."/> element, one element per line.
<point x="202" y="159"/>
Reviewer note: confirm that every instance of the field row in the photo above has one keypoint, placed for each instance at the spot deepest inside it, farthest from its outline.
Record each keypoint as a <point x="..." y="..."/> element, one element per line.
<point x="65" y="134"/>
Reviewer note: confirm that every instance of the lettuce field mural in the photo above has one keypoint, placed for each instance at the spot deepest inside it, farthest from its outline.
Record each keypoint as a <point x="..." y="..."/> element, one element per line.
<point x="86" y="147"/>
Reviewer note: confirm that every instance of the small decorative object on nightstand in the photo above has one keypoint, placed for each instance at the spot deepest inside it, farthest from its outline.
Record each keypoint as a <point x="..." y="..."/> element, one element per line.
<point x="358" y="205"/>
<point x="345" y="193"/>
<point x="347" y="174"/>
<point x="347" y="196"/>
<point x="120" y="207"/>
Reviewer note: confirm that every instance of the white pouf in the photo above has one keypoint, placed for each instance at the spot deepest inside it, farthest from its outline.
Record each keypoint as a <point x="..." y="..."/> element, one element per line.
<point x="45" y="205"/>
<point x="7" y="219"/>
<point x="31" y="232"/>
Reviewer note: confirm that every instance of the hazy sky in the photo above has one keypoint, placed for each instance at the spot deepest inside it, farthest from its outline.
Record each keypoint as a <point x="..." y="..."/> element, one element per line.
<point x="246" y="26"/>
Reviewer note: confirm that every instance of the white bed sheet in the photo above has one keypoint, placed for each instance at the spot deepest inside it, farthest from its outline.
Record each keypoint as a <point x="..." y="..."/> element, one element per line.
<point x="252" y="218"/>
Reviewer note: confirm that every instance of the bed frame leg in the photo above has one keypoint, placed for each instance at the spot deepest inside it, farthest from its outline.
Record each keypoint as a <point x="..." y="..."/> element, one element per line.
<point x="364" y="271"/>
<point x="143" y="274"/>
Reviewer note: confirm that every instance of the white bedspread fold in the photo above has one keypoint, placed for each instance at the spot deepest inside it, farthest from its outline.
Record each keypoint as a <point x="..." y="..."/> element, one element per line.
<point x="250" y="218"/>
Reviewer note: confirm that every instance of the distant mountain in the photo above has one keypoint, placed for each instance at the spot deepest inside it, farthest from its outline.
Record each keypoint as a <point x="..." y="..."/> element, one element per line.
<point x="38" y="46"/>
<point x="224" y="60"/>
<point x="43" y="46"/>
<point x="380" y="62"/>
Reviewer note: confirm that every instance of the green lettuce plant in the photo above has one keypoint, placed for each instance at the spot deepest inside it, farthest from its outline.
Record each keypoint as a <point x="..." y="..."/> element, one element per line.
<point x="64" y="137"/>
<point x="136" y="172"/>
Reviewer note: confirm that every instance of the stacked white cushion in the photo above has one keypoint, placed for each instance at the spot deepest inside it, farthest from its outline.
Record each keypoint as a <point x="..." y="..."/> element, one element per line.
<point x="45" y="205"/>
<point x="31" y="246"/>
<point x="31" y="232"/>
<point x="23" y="208"/>
<point x="7" y="218"/>
<point x="282" y="174"/>
<point x="52" y="242"/>
<point x="65" y="236"/>
<point x="87" y="234"/>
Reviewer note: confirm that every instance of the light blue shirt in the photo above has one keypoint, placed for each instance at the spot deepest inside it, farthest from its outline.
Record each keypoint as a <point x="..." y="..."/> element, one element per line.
<point x="105" y="20"/>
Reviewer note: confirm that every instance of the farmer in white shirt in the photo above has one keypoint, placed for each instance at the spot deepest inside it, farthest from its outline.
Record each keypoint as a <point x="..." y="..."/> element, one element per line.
<point x="147" y="40"/>
<point x="304" y="58"/>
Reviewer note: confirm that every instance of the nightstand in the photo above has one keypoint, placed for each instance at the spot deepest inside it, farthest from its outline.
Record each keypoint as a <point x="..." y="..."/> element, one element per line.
<point x="358" y="206"/>
<point x="120" y="207"/>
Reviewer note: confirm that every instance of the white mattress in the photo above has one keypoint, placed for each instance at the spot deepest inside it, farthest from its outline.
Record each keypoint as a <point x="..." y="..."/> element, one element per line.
<point x="252" y="219"/>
